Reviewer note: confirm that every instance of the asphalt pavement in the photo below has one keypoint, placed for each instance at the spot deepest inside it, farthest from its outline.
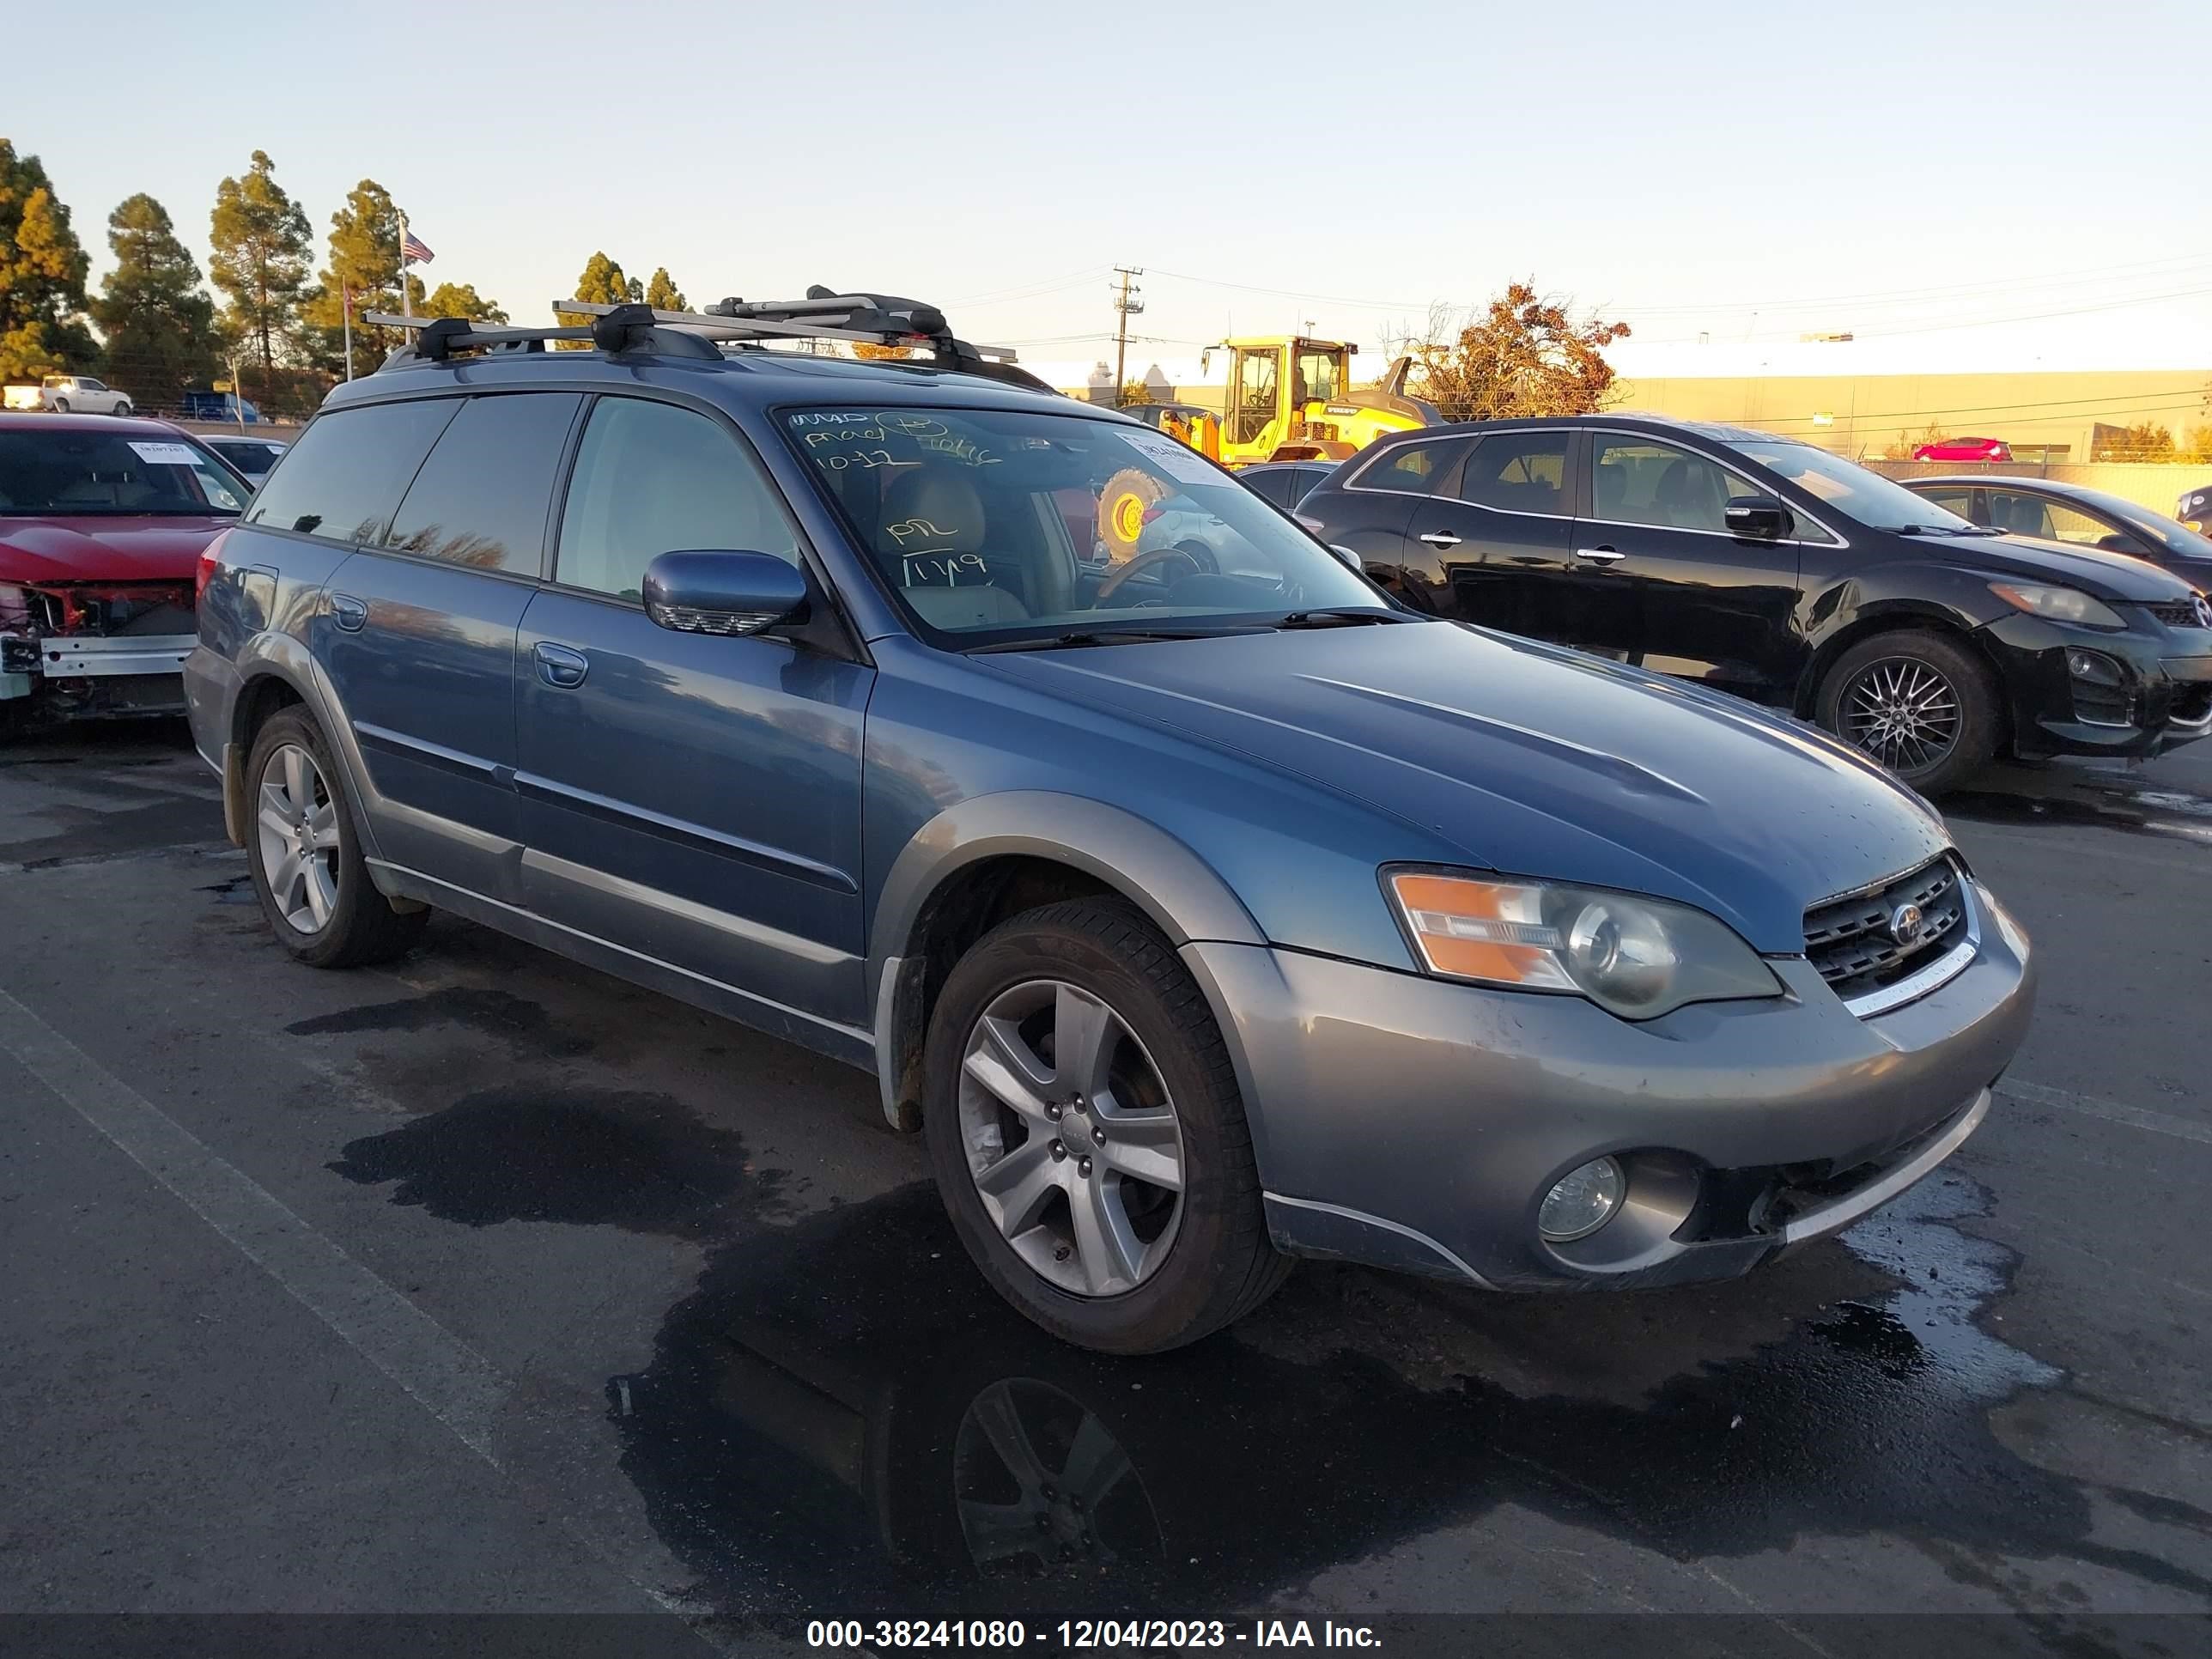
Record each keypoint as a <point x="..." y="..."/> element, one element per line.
<point x="484" y="1285"/>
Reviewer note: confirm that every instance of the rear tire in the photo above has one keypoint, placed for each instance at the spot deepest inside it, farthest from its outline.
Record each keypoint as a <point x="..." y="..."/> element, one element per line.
<point x="1921" y="704"/>
<point x="1182" y="1262"/>
<point x="305" y="854"/>
<point x="61" y="406"/>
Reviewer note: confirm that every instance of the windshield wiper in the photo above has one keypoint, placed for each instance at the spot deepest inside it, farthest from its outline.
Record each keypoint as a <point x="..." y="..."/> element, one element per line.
<point x="1943" y="530"/>
<point x="1334" y="619"/>
<point x="1108" y="637"/>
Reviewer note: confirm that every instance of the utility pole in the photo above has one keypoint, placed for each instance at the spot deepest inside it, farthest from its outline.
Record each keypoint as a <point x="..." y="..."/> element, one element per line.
<point x="1126" y="305"/>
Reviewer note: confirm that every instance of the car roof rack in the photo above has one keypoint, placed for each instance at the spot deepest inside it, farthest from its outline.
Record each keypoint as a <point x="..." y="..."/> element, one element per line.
<point x="883" y="319"/>
<point x="612" y="329"/>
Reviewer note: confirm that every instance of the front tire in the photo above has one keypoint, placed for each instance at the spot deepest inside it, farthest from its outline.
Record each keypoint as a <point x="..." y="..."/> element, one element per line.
<point x="122" y="409"/>
<point x="1923" y="705"/>
<point x="1087" y="1136"/>
<point x="306" y="855"/>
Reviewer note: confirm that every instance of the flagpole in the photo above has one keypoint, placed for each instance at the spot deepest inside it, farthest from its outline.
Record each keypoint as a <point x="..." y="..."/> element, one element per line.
<point x="346" y="290"/>
<point x="405" y="308"/>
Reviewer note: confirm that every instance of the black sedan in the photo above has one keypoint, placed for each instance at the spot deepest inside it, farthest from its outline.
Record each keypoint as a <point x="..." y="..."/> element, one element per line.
<point x="1772" y="569"/>
<point x="2073" y="514"/>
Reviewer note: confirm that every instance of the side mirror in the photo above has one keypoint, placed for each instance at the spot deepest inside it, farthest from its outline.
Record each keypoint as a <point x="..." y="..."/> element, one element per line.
<point x="1758" y="518"/>
<point x="719" y="592"/>
<point x="1351" y="559"/>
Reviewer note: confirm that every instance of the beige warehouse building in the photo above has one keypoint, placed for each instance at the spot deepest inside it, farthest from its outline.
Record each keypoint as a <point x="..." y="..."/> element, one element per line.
<point x="2054" y="417"/>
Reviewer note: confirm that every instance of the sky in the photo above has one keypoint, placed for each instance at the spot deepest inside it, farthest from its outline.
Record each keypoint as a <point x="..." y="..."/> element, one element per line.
<point x="1960" y="187"/>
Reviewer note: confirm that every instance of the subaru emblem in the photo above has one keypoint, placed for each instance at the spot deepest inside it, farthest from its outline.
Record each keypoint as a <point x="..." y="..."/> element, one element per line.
<point x="1906" y="923"/>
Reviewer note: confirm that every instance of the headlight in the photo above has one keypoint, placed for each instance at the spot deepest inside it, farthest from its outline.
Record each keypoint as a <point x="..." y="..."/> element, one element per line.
<point x="2058" y="604"/>
<point x="1637" y="957"/>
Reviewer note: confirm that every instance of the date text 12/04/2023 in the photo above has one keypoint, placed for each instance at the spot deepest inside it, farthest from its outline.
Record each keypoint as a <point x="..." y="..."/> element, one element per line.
<point x="1084" y="1635"/>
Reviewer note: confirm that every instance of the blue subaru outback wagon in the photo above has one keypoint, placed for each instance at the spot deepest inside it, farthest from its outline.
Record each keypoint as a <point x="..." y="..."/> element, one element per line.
<point x="1201" y="908"/>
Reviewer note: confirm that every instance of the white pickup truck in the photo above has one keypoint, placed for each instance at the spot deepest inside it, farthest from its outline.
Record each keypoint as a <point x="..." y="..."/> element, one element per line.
<point x="62" y="393"/>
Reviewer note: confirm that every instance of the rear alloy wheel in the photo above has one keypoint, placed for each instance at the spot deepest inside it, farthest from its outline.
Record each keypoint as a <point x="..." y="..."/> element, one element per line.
<point x="1923" y="706"/>
<point x="61" y="406"/>
<point x="1087" y="1135"/>
<point x="306" y="859"/>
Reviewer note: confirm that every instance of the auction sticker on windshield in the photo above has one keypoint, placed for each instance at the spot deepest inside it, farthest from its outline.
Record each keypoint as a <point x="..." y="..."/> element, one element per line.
<point x="1185" y="465"/>
<point x="164" y="454"/>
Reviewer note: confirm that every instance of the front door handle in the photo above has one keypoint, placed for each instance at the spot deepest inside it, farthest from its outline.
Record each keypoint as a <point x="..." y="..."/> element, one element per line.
<point x="1600" y="554"/>
<point x="348" y="612"/>
<point x="558" y="665"/>
<point x="1441" y="538"/>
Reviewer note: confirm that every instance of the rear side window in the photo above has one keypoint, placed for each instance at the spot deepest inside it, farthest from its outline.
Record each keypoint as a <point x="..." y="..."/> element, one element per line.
<point x="1410" y="469"/>
<point x="652" y="479"/>
<point x="481" y="499"/>
<point x="344" y="476"/>
<point x="1517" y="472"/>
<point x="1276" y="486"/>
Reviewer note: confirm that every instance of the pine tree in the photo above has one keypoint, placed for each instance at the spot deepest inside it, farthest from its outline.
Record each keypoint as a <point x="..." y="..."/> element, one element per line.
<point x="602" y="283"/>
<point x="662" y="293"/>
<point x="42" y="271"/>
<point x="160" y="323"/>
<point x="460" y="300"/>
<point x="261" y="256"/>
<point x="364" y="255"/>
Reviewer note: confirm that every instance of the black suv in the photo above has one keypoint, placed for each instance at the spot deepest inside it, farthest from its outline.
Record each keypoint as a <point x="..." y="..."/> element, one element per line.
<point x="1773" y="569"/>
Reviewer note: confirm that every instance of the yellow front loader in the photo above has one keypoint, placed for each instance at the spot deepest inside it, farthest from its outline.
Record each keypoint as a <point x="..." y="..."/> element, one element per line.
<point x="1293" y="400"/>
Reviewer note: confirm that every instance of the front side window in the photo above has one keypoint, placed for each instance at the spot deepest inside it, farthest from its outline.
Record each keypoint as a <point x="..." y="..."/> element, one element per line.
<point x="2036" y="516"/>
<point x="481" y="498"/>
<point x="72" y="473"/>
<point x="1010" y="524"/>
<point x="86" y="383"/>
<point x="1517" y="472"/>
<point x="1877" y="502"/>
<point x="652" y="479"/>
<point x="1636" y="481"/>
<point x="343" y="476"/>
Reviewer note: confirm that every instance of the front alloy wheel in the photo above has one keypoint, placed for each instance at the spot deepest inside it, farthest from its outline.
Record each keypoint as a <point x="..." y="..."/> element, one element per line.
<point x="297" y="827"/>
<point x="1072" y="1138"/>
<point x="1904" y="713"/>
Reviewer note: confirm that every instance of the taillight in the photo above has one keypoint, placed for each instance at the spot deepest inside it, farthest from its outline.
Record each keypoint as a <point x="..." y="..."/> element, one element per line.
<point x="211" y="562"/>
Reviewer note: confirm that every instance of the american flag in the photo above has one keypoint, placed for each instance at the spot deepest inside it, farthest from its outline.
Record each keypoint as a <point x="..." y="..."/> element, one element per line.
<point x="414" y="251"/>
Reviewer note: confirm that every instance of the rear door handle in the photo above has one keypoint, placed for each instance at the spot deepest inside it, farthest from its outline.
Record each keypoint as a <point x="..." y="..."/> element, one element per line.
<point x="1599" y="554"/>
<point x="1441" y="538"/>
<point x="558" y="665"/>
<point x="348" y="612"/>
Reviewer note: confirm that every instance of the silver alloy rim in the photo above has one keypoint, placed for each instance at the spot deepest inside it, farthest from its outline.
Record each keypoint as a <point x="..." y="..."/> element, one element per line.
<point x="1086" y="1505"/>
<point x="298" y="828"/>
<point x="1903" y="712"/>
<point x="1072" y="1138"/>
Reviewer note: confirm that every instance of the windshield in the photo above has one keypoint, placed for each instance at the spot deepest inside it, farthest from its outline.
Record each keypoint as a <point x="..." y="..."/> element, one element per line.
<point x="72" y="473"/>
<point x="2176" y="538"/>
<point x="1873" y="500"/>
<point x="996" y="525"/>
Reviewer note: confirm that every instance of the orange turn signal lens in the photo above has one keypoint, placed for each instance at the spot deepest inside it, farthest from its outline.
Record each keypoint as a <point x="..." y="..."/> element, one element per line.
<point x="1485" y="930"/>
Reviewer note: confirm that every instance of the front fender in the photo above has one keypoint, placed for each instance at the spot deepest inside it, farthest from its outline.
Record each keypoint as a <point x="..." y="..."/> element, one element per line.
<point x="1171" y="883"/>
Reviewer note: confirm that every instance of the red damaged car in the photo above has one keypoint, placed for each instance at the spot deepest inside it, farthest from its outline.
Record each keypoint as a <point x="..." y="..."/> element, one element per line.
<point x="102" y="522"/>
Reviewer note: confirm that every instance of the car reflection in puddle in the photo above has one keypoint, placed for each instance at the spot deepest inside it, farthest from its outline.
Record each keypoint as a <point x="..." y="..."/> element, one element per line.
<point x="843" y="1403"/>
<point x="2096" y="798"/>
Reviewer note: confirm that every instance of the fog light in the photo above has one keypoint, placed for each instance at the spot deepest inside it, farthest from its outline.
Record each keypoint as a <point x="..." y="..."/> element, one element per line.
<point x="1584" y="1202"/>
<point x="2089" y="665"/>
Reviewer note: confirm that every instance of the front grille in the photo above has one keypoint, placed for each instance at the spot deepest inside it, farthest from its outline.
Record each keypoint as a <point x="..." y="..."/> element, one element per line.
<point x="2176" y="613"/>
<point x="1851" y="942"/>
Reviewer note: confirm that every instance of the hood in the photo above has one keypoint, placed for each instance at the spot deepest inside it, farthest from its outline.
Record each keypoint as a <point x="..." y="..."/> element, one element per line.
<point x="2099" y="574"/>
<point x="1535" y="760"/>
<point x="105" y="549"/>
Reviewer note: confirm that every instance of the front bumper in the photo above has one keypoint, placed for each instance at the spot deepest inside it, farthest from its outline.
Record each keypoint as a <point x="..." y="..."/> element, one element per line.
<point x="80" y="676"/>
<point x="2163" y="697"/>
<point x="1416" y="1123"/>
